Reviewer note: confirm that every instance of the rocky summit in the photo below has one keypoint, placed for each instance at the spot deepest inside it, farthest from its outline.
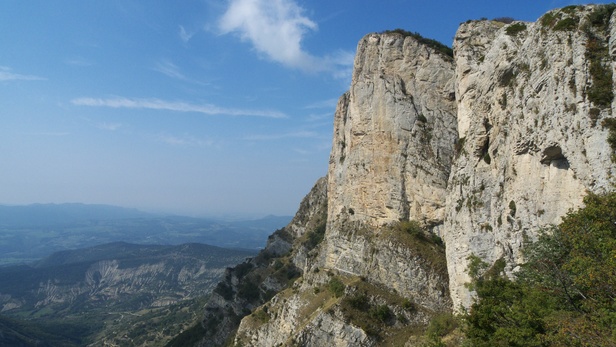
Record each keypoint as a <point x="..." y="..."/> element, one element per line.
<point x="436" y="156"/>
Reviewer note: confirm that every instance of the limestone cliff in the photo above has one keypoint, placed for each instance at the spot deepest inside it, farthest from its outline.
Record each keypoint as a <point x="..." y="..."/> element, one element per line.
<point x="482" y="148"/>
<point x="529" y="120"/>
<point x="254" y="282"/>
<point x="375" y="279"/>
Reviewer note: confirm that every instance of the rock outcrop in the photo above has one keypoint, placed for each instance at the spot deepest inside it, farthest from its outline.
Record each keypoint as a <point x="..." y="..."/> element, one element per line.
<point x="482" y="149"/>
<point x="393" y="147"/>
<point x="254" y="282"/>
<point x="533" y="143"/>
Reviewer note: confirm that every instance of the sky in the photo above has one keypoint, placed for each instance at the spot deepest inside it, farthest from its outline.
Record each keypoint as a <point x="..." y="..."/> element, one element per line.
<point x="193" y="107"/>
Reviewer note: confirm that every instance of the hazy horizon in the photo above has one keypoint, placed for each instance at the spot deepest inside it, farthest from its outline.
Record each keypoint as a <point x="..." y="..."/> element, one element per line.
<point x="208" y="108"/>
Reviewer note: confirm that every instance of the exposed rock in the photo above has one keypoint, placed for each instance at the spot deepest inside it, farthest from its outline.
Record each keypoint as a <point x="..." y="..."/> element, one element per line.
<point x="394" y="135"/>
<point x="249" y="285"/>
<point x="545" y="150"/>
<point x="517" y="148"/>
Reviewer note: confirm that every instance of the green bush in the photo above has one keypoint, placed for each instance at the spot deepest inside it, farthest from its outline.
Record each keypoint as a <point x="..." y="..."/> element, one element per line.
<point x="548" y="19"/>
<point x="382" y="313"/>
<point x="336" y="287"/>
<point x="600" y="16"/>
<point x="439" y="47"/>
<point x="600" y="92"/>
<point x="610" y="124"/>
<point x="358" y="302"/>
<point x="515" y="29"/>
<point x="316" y="236"/>
<point x="564" y="294"/>
<point x="441" y="325"/>
<point x="411" y="227"/>
<point x="566" y="24"/>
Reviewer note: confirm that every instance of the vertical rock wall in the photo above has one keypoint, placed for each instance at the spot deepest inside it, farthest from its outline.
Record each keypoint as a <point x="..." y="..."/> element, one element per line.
<point x="393" y="146"/>
<point x="533" y="144"/>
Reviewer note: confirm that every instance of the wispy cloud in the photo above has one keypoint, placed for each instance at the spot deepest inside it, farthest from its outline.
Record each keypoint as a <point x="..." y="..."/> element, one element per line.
<point x="185" y="36"/>
<point x="177" y="106"/>
<point x="80" y="62"/>
<point x="7" y="75"/>
<point x="170" y="69"/>
<point x="109" y="126"/>
<point x="272" y="137"/>
<point x="276" y="28"/>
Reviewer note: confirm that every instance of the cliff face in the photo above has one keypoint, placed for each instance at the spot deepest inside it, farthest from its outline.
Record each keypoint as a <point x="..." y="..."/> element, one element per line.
<point x="393" y="146"/>
<point x="254" y="282"/>
<point x="393" y="134"/>
<point x="482" y="149"/>
<point x="529" y="118"/>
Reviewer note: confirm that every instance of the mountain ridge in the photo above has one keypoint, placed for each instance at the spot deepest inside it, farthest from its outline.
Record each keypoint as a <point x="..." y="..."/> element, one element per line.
<point x="438" y="161"/>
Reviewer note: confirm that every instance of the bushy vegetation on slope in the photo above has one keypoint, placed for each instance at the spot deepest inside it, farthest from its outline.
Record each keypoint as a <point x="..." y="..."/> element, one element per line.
<point x="565" y="295"/>
<point x="434" y="44"/>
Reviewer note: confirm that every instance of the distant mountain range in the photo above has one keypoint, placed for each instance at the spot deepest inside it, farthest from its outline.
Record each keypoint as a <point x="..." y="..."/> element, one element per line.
<point x="58" y="214"/>
<point x="110" y="294"/>
<point x="29" y="233"/>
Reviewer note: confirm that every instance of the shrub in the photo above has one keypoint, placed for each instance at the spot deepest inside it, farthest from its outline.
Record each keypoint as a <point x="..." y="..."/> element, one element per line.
<point x="506" y="20"/>
<point x="316" y="236"/>
<point x="566" y="24"/>
<point x="441" y="325"/>
<point x="382" y="313"/>
<point x="336" y="287"/>
<point x="600" y="92"/>
<point x="224" y="290"/>
<point x="261" y="316"/>
<point x="408" y="305"/>
<point x="242" y="269"/>
<point x="600" y="16"/>
<point x="563" y="295"/>
<point x="610" y="124"/>
<point x="411" y="227"/>
<point x="515" y="29"/>
<point x="358" y="302"/>
<point x="248" y="290"/>
<point x="548" y="19"/>
<point x="434" y="44"/>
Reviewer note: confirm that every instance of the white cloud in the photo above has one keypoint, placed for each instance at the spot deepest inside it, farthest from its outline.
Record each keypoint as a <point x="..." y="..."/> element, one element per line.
<point x="80" y="62"/>
<point x="185" y="36"/>
<point x="276" y="28"/>
<point x="178" y="106"/>
<point x="7" y="75"/>
<point x="169" y="69"/>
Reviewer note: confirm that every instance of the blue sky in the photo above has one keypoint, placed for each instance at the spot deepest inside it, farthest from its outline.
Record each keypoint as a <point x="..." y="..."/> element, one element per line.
<point x="198" y="107"/>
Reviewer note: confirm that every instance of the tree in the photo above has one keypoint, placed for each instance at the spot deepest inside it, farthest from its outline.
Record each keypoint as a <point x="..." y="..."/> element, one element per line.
<point x="565" y="294"/>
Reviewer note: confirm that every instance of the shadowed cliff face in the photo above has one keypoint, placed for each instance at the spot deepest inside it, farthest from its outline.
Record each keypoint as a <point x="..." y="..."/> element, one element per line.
<point x="254" y="282"/>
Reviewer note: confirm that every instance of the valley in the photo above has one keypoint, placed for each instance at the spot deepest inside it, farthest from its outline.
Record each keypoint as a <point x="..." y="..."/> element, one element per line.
<point x="111" y="294"/>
